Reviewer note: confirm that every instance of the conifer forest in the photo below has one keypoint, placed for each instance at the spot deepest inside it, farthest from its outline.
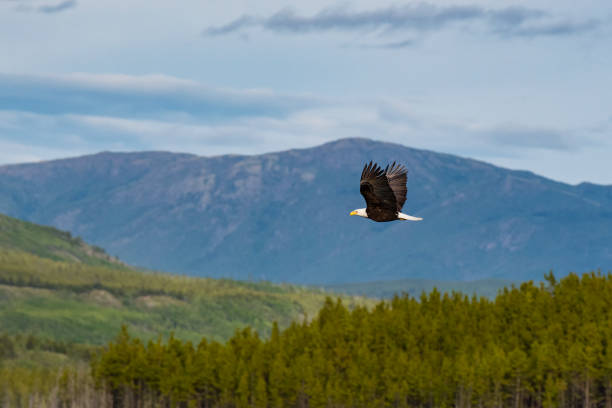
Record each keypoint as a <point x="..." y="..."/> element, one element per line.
<point x="546" y="345"/>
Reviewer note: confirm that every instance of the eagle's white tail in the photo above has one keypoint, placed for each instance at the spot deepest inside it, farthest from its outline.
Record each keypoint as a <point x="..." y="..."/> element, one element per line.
<point x="403" y="216"/>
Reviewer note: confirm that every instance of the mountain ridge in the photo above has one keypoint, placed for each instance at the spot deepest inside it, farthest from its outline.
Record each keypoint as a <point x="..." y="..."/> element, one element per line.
<point x="582" y="184"/>
<point x="283" y="216"/>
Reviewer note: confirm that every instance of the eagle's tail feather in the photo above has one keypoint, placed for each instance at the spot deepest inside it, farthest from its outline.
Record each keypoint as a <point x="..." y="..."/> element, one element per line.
<point x="407" y="217"/>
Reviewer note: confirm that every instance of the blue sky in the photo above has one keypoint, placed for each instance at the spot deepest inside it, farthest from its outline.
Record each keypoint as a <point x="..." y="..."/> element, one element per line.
<point x="521" y="84"/>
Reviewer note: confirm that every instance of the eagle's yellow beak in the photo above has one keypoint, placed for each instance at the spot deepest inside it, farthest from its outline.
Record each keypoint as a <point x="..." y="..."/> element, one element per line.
<point x="353" y="213"/>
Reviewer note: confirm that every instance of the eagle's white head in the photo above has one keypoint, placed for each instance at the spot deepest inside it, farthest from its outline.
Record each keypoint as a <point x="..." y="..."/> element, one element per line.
<point x="360" y="212"/>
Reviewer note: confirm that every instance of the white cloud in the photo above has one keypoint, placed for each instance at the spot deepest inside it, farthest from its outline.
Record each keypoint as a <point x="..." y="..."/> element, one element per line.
<point x="140" y="96"/>
<point x="70" y="131"/>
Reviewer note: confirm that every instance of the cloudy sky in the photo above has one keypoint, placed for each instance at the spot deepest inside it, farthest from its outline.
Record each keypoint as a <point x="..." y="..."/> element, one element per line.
<point x="522" y="84"/>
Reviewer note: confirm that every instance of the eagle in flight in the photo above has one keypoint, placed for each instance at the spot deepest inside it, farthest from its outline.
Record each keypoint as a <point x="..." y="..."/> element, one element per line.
<point x="384" y="192"/>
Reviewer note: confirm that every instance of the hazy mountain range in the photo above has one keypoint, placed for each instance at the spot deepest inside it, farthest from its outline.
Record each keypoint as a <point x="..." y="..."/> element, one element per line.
<point x="284" y="216"/>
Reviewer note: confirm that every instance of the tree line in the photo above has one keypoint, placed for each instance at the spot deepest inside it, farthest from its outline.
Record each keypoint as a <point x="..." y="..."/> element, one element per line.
<point x="537" y="345"/>
<point x="23" y="269"/>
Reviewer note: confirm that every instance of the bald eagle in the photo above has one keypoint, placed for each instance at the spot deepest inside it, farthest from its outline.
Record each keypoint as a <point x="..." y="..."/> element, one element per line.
<point x="384" y="192"/>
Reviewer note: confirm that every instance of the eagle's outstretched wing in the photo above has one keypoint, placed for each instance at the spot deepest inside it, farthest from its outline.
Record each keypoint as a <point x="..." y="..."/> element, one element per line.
<point x="396" y="177"/>
<point x="376" y="190"/>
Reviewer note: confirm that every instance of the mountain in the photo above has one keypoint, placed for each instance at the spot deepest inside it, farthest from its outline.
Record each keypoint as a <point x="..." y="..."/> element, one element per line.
<point x="284" y="216"/>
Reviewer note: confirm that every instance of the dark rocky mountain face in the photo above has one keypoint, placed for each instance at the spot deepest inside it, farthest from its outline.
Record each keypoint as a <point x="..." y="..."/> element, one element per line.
<point x="284" y="216"/>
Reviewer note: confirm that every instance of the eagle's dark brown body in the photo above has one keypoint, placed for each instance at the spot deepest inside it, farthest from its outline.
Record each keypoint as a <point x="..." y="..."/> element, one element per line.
<point x="381" y="215"/>
<point x="384" y="191"/>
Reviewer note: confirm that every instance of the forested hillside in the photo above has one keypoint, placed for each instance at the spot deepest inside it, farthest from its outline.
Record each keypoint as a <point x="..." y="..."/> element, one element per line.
<point x="87" y="304"/>
<point x="284" y="216"/>
<point x="533" y="346"/>
<point x="57" y="286"/>
<point x="49" y="242"/>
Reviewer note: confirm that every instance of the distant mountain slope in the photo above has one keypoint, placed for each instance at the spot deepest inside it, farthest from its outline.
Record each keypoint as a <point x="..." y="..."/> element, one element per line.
<point x="49" y="242"/>
<point x="284" y="216"/>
